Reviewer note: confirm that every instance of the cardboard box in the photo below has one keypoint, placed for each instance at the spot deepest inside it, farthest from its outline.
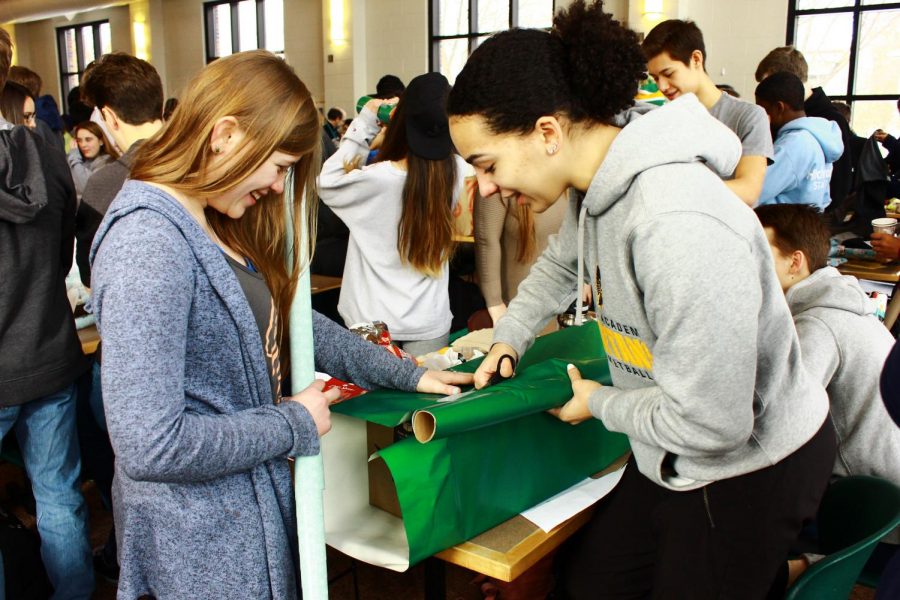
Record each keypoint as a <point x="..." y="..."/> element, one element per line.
<point x="382" y="490"/>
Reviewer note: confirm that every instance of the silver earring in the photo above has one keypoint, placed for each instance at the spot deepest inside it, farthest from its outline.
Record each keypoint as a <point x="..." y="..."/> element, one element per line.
<point x="552" y="149"/>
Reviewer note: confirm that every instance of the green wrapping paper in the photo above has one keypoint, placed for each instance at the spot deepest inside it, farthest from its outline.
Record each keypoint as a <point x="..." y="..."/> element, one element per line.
<point x="534" y="389"/>
<point x="495" y="452"/>
<point x="452" y="489"/>
<point x="580" y="346"/>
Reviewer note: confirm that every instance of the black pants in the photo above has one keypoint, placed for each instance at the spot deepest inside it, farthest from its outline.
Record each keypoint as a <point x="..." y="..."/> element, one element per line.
<point x="727" y="540"/>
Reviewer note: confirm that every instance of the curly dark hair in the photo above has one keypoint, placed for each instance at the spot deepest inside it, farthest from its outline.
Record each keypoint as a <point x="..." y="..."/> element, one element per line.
<point x="587" y="68"/>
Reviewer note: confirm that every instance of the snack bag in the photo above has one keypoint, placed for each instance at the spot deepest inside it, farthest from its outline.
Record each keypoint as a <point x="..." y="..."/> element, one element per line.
<point x="377" y="332"/>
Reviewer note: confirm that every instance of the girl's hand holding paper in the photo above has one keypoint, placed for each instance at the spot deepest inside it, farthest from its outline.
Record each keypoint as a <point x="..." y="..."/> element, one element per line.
<point x="576" y="410"/>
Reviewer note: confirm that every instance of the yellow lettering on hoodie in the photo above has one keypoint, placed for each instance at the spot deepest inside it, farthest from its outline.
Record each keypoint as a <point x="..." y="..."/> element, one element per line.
<point x="626" y="349"/>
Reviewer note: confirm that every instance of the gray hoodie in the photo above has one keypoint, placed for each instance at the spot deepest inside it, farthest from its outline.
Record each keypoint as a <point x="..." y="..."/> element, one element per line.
<point x="844" y="346"/>
<point x="704" y="357"/>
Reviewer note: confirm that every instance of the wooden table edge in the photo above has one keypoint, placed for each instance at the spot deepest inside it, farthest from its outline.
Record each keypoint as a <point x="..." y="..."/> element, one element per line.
<point x="870" y="271"/>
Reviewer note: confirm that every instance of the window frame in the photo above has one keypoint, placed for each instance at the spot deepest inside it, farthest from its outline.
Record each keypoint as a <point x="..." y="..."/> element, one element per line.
<point x="79" y="54"/>
<point x="209" y="29"/>
<point x="857" y="9"/>
<point x="434" y="40"/>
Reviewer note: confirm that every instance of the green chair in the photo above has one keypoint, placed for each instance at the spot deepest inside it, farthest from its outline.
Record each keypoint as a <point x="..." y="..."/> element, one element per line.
<point x="855" y="514"/>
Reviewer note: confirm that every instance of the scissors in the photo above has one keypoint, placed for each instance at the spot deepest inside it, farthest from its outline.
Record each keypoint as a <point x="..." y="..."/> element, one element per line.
<point x="497" y="377"/>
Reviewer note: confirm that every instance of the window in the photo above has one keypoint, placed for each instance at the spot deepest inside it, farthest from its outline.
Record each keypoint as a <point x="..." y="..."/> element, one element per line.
<point x="852" y="52"/>
<point x="78" y="46"/>
<point x="238" y="25"/>
<point x="457" y="27"/>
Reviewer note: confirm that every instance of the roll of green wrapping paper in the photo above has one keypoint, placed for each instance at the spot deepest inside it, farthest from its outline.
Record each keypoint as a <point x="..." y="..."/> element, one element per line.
<point x="534" y="389"/>
<point x="580" y="346"/>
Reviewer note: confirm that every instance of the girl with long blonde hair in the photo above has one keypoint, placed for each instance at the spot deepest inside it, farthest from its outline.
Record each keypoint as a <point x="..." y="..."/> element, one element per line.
<point x="192" y="286"/>
<point x="398" y="211"/>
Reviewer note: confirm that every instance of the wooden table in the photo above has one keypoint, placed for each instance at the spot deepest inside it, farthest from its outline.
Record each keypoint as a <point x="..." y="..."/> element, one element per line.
<point x="89" y="338"/>
<point x="323" y="283"/>
<point x="507" y="550"/>
<point x="877" y="271"/>
<point x="871" y="270"/>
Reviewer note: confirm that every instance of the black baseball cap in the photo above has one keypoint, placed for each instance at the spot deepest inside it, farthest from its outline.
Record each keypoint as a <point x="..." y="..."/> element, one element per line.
<point x="427" y="129"/>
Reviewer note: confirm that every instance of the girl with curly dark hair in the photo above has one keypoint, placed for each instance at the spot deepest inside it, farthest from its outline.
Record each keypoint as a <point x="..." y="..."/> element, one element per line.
<point x="731" y="447"/>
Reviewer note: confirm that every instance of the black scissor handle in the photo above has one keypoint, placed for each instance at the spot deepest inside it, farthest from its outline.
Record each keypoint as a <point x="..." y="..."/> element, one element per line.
<point x="497" y="377"/>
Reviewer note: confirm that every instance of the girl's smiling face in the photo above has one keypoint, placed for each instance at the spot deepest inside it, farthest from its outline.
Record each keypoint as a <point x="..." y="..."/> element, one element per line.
<point x="268" y="177"/>
<point x="518" y="166"/>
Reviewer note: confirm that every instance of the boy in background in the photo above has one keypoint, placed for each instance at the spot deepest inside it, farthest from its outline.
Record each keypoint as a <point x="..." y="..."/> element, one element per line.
<point x="805" y="147"/>
<point x="816" y="104"/>
<point x="41" y="356"/>
<point x="843" y="344"/>
<point x="676" y="59"/>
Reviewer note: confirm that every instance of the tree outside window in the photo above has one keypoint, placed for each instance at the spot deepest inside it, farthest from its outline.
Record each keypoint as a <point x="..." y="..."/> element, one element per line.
<point x="457" y="27"/>
<point x="852" y="51"/>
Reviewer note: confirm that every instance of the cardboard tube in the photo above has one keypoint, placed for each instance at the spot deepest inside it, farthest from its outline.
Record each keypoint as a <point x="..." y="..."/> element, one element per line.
<point x="424" y="426"/>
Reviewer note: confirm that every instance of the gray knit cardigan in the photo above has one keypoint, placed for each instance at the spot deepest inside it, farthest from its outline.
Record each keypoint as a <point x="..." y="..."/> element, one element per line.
<point x="202" y="493"/>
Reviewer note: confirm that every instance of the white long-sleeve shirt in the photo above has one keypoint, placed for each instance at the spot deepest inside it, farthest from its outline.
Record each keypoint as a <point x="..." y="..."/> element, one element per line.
<point x="377" y="285"/>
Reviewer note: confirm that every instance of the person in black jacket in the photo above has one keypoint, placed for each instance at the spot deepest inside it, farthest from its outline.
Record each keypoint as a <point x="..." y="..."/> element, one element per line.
<point x="856" y="141"/>
<point x="41" y="356"/>
<point x="817" y="104"/>
<point x="892" y="145"/>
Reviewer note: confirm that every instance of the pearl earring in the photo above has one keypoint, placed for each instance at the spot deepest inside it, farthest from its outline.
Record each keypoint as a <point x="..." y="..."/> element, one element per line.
<point x="552" y="149"/>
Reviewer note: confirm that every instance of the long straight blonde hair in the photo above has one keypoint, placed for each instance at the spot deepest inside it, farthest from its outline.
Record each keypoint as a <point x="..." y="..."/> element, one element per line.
<point x="425" y="232"/>
<point x="276" y="112"/>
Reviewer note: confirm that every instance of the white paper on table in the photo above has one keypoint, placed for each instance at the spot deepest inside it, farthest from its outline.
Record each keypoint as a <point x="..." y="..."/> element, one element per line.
<point x="568" y="503"/>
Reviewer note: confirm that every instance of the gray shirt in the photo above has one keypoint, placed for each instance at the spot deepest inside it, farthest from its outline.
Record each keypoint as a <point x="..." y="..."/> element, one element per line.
<point x="263" y="309"/>
<point x="99" y="192"/>
<point x="749" y="122"/>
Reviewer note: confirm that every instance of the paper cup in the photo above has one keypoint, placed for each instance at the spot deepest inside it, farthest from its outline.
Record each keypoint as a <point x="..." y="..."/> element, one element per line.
<point x="886" y="225"/>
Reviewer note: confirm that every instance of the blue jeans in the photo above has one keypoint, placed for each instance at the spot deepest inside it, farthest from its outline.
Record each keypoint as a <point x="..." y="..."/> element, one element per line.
<point x="96" y="398"/>
<point x="45" y="429"/>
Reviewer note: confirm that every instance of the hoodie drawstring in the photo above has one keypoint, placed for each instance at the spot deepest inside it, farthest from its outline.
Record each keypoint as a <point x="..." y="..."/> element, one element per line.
<point x="580" y="280"/>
